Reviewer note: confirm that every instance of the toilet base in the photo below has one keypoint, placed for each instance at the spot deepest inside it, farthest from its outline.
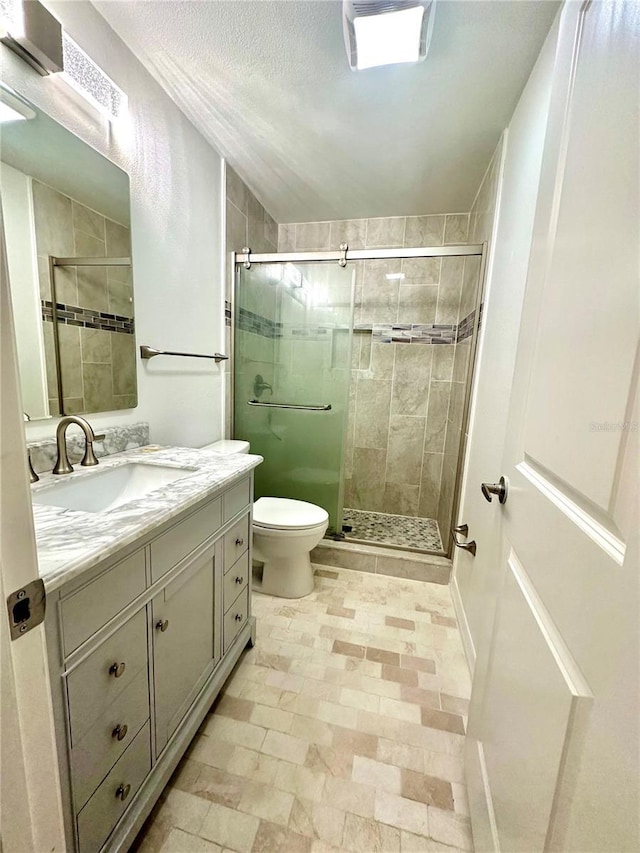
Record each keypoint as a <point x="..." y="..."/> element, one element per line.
<point x="288" y="577"/>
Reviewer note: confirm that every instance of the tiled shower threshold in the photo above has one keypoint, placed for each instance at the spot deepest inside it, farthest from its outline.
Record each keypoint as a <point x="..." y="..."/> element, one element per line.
<point x="406" y="533"/>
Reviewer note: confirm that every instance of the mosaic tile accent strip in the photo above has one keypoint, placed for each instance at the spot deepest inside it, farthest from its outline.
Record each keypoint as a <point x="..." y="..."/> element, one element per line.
<point x="399" y="333"/>
<point x="73" y="315"/>
<point x="399" y="530"/>
<point x="227" y="313"/>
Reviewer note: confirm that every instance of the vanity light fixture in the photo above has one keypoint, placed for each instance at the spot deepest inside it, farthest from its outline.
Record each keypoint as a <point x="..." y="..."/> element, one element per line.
<point x="387" y="32"/>
<point x="32" y="32"/>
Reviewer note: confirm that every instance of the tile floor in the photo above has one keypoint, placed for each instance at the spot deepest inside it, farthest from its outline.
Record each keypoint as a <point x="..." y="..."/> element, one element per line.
<point x="342" y="729"/>
<point x="403" y="530"/>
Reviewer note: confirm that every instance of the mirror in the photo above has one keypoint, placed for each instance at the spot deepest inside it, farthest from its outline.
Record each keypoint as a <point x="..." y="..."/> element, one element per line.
<point x="67" y="227"/>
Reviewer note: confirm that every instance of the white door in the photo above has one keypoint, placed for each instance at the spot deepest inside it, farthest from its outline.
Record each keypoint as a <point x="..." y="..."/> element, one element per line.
<point x="30" y="806"/>
<point x="552" y="748"/>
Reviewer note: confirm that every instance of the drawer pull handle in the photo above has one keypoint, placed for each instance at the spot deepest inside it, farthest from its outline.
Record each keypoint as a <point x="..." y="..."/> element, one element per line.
<point x="120" y="731"/>
<point x="162" y="625"/>
<point x="117" y="669"/>
<point x="123" y="792"/>
<point x="238" y="617"/>
<point x="239" y="580"/>
<point x="239" y="541"/>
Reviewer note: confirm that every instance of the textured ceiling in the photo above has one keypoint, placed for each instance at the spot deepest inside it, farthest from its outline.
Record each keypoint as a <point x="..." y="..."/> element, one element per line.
<point x="269" y="85"/>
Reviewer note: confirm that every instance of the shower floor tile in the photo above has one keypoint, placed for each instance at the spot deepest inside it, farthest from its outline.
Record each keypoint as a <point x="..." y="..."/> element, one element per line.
<point x="400" y="530"/>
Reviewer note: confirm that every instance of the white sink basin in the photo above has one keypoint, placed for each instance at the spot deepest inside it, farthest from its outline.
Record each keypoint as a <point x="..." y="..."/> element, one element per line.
<point x="109" y="487"/>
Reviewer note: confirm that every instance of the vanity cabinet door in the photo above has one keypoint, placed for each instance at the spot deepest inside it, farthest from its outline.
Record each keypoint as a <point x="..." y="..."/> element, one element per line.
<point x="183" y="643"/>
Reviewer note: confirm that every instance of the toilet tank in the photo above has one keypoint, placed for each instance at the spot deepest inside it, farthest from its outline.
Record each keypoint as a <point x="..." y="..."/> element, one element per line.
<point x="226" y="447"/>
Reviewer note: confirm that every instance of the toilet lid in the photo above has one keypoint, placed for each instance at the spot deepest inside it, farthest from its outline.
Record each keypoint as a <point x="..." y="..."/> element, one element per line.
<point x="287" y="514"/>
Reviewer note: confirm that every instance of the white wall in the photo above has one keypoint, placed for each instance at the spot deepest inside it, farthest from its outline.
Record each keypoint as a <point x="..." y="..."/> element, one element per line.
<point x="176" y="221"/>
<point x="25" y="293"/>
<point x="473" y="582"/>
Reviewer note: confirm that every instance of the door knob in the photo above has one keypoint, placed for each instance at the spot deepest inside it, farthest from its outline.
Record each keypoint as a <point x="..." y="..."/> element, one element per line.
<point x="501" y="489"/>
<point x="463" y="530"/>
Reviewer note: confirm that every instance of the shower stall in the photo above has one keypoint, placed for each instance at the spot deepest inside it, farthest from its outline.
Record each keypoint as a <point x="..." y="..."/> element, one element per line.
<point x="352" y="372"/>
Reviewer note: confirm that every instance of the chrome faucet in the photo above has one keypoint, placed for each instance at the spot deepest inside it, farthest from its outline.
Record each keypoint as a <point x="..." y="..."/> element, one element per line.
<point x="33" y="477"/>
<point x="63" y="466"/>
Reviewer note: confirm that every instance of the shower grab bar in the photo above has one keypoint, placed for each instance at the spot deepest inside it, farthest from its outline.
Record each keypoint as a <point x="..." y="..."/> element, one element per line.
<point x="290" y="406"/>
<point x="149" y="352"/>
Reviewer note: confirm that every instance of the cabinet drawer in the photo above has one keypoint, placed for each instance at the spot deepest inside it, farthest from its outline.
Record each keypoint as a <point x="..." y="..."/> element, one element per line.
<point x="105" y="808"/>
<point x="87" y="610"/>
<point x="108" y="737"/>
<point x="235" y="618"/>
<point x="174" y="545"/>
<point x="95" y="683"/>
<point x="236" y="498"/>
<point x="236" y="542"/>
<point x="235" y="581"/>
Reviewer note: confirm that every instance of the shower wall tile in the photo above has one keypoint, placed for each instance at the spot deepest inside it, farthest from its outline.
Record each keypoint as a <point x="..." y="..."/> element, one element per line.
<point x="442" y="364"/>
<point x="313" y="235"/>
<point x="450" y="290"/>
<point x="53" y="220"/>
<point x="418" y="301"/>
<point x="404" y="451"/>
<point x="372" y="413"/>
<point x="367" y="481"/>
<point x="353" y="232"/>
<point x="287" y="237"/>
<point x="87" y="220"/>
<point x="401" y="499"/>
<point x="430" y="478"/>
<point x="385" y="233"/>
<point x="439" y="400"/>
<point x="117" y="239"/>
<point x="456" y="228"/>
<point x="424" y="231"/>
<point x="421" y="270"/>
<point x="236" y="191"/>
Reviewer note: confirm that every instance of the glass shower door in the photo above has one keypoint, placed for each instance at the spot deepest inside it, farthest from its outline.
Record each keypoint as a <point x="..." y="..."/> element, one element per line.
<point x="293" y="330"/>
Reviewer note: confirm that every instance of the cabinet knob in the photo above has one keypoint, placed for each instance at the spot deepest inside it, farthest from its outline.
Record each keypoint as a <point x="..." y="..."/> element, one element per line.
<point x="122" y="792"/>
<point x="238" y="617"/>
<point x="162" y="625"/>
<point x="120" y="731"/>
<point x="239" y="580"/>
<point x="239" y="541"/>
<point x="117" y="669"/>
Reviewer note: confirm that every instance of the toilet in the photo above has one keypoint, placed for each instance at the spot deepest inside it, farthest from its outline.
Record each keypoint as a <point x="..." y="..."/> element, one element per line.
<point x="285" y="532"/>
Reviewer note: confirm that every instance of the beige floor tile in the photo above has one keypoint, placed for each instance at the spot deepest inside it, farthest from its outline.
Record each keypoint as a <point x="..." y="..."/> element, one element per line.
<point x="450" y="828"/>
<point x="211" y="751"/>
<point x="411" y="843"/>
<point x="178" y="841"/>
<point x="400" y="710"/>
<point x="286" y="747"/>
<point x="365" y="835"/>
<point x="271" y="718"/>
<point x="266" y="802"/>
<point x="355" y="742"/>
<point x="338" y="714"/>
<point x="315" y="731"/>
<point x="376" y="774"/>
<point x="359" y="700"/>
<point x="218" y="786"/>
<point x="400" y="754"/>
<point x="230" y="828"/>
<point x="301" y="781"/>
<point x="427" y="789"/>
<point x="234" y="731"/>
<point x="401" y="813"/>
<point x="272" y="838"/>
<point x="351" y="796"/>
<point x="184" y="811"/>
<point x="317" y="820"/>
<point x="331" y="761"/>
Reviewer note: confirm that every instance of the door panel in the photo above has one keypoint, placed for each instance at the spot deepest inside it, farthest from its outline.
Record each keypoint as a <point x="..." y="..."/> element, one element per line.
<point x="529" y="703"/>
<point x="553" y="746"/>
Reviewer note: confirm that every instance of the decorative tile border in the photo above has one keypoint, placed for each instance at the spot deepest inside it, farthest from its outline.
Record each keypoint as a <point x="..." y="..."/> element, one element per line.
<point x="227" y="313"/>
<point x="387" y="333"/>
<point x="73" y="315"/>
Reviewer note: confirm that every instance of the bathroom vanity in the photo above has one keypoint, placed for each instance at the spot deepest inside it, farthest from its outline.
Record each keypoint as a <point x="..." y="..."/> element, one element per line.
<point x="146" y="618"/>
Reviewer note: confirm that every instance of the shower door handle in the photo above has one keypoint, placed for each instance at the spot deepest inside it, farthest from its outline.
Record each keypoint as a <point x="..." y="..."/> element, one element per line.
<point x="463" y="530"/>
<point x="325" y="408"/>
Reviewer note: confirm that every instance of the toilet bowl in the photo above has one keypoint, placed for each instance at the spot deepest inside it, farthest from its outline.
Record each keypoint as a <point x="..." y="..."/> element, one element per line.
<point x="285" y="532"/>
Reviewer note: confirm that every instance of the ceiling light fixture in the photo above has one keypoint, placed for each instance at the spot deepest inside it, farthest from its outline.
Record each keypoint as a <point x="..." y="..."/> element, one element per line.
<point x="387" y="32"/>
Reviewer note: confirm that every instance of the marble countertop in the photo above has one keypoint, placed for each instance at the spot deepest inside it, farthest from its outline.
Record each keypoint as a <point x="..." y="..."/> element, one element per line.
<point x="69" y="541"/>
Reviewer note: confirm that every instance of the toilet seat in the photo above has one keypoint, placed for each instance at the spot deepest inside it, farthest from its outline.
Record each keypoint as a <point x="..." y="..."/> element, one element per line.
<point x="286" y="514"/>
